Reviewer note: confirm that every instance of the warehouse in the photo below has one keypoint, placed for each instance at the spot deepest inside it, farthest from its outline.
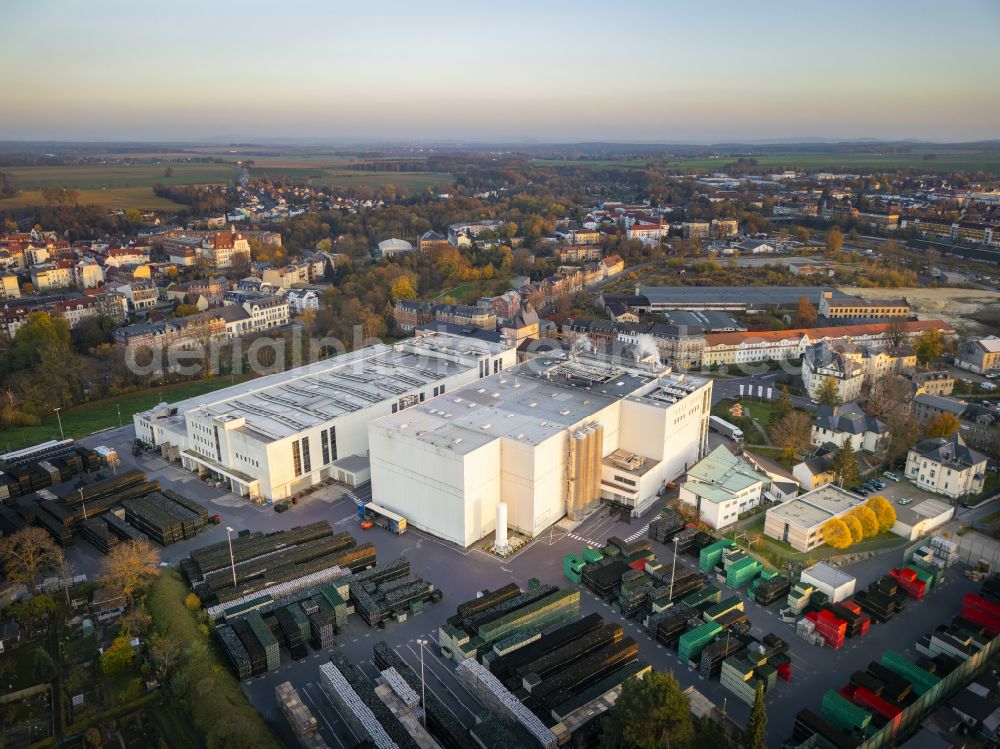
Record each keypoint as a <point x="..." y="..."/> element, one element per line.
<point x="273" y="436"/>
<point x="923" y="517"/>
<point x="550" y="438"/>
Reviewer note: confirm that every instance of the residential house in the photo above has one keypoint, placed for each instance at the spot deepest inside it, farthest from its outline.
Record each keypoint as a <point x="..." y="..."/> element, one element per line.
<point x="699" y="229"/>
<point x="722" y="486"/>
<point x="9" y="288"/>
<point x="946" y="465"/>
<point x="940" y="382"/>
<point x="578" y="253"/>
<point x="816" y="471"/>
<point x="723" y="228"/>
<point x="824" y="362"/>
<point x="139" y="294"/>
<point x="411" y="314"/>
<point x="300" y="300"/>
<point x="52" y="276"/>
<point x="87" y="274"/>
<point x="927" y="407"/>
<point x="848" y="423"/>
<point x="612" y="265"/>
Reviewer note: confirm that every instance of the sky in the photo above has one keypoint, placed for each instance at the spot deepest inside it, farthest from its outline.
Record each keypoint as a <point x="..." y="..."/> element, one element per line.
<point x="508" y="71"/>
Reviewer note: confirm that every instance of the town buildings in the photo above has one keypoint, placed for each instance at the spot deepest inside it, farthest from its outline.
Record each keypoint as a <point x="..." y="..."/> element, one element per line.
<point x="979" y="355"/>
<point x="862" y="309"/>
<point x="551" y="437"/>
<point x="274" y="436"/>
<point x="823" y="363"/>
<point x="946" y="465"/>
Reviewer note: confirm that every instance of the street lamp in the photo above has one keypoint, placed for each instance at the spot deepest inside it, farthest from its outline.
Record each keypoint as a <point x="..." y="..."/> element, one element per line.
<point x="83" y="503"/>
<point x="119" y="407"/>
<point x="423" y="694"/>
<point x="673" y="569"/>
<point x="59" y="419"/>
<point x="232" y="559"/>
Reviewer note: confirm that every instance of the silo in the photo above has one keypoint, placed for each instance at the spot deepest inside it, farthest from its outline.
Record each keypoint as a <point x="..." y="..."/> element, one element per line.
<point x="501" y="535"/>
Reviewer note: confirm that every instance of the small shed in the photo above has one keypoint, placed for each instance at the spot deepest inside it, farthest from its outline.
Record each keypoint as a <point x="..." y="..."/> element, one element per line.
<point x="836" y="583"/>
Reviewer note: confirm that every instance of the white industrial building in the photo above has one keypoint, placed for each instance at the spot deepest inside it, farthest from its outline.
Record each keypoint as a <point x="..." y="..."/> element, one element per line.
<point x="550" y="438"/>
<point x="273" y="436"/>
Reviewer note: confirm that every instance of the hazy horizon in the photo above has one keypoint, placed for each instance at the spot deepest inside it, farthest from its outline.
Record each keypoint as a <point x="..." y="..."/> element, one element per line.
<point x="544" y="73"/>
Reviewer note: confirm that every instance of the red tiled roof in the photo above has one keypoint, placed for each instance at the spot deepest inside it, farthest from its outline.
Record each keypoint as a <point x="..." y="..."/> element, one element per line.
<point x="840" y="331"/>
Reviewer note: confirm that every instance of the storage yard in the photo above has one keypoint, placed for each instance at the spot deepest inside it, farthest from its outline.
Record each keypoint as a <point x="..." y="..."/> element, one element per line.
<point x="460" y="575"/>
<point x="73" y="491"/>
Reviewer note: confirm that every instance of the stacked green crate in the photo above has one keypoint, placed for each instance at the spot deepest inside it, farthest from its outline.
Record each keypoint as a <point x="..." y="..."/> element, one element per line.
<point x="706" y="596"/>
<point x="768" y="674"/>
<point x="819" y="598"/>
<point x="556" y="607"/>
<point x="591" y="555"/>
<point x="611" y="551"/>
<point x="730" y="556"/>
<point x="266" y="639"/>
<point x="767" y="573"/>
<point x="733" y="603"/>
<point x="338" y="605"/>
<point x="741" y="573"/>
<point x="923" y="576"/>
<point x="300" y="619"/>
<point x="737" y="676"/>
<point x="712" y="554"/>
<point x="573" y="567"/>
<point x="799" y="597"/>
<point x="693" y="642"/>
<point x="921" y="679"/>
<point x="929" y="569"/>
<point x="844" y="714"/>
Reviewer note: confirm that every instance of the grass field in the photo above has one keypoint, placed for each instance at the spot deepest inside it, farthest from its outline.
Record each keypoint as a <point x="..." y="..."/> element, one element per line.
<point x="91" y="417"/>
<point x="110" y="198"/>
<point x="322" y="175"/>
<point x="88" y="176"/>
<point x="945" y="161"/>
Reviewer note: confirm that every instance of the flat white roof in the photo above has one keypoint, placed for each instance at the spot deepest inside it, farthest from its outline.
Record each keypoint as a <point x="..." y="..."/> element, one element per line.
<point x="282" y="404"/>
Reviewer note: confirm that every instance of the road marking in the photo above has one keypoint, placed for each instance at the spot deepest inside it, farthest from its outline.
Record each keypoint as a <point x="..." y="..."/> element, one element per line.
<point x="322" y="716"/>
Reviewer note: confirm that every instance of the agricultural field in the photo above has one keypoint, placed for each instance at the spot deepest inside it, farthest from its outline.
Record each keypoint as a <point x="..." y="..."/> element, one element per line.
<point x="323" y="175"/>
<point x="91" y="176"/>
<point x="945" y="161"/>
<point x="595" y="163"/>
<point x="108" y="197"/>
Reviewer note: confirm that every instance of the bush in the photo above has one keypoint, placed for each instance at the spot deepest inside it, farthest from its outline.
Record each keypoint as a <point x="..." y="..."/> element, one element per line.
<point x="202" y="681"/>
<point x="192" y="602"/>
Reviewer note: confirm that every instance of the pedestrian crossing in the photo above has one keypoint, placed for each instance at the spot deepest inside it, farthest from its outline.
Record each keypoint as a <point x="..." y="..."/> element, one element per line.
<point x="638" y="534"/>
<point x="587" y="541"/>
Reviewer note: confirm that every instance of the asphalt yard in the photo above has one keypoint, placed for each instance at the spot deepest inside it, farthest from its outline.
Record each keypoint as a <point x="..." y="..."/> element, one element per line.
<point x="461" y="573"/>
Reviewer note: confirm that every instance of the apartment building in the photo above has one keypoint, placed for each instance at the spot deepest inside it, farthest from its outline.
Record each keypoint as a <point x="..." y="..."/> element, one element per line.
<point x="822" y="363"/>
<point x="848" y="422"/>
<point x="979" y="355"/>
<point x="862" y="309"/>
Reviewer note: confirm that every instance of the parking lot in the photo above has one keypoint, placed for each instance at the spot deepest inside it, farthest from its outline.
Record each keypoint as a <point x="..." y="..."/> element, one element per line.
<point x="896" y="490"/>
<point x="460" y="574"/>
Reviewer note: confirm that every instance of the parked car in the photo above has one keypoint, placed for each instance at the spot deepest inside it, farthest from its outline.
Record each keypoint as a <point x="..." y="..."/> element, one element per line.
<point x="890" y="475"/>
<point x="903" y="501"/>
<point x="879" y="484"/>
<point x="863" y="492"/>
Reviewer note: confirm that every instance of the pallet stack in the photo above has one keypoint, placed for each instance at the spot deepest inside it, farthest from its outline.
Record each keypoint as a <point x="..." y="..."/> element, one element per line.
<point x="766" y="591"/>
<point x="711" y="555"/>
<point x="255" y="651"/>
<point x="882" y="600"/>
<point x="692" y="642"/>
<point x="266" y="639"/>
<point x="664" y="528"/>
<point x="844" y="714"/>
<point x="832" y="629"/>
<point x="236" y="652"/>
<point x="909" y="581"/>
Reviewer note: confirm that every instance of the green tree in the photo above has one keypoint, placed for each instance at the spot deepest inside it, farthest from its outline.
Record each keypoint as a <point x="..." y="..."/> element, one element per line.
<point x="39" y="332"/>
<point x="36" y="607"/>
<point x="791" y="432"/>
<point x="44" y="667"/>
<point x="118" y="656"/>
<point x="845" y="464"/>
<point x="755" y="735"/>
<point x="929" y="346"/>
<point x="834" y="240"/>
<point x="650" y="713"/>
<point x="828" y="394"/>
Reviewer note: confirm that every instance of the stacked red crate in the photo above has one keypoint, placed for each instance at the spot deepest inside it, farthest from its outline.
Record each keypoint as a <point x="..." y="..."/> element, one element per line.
<point x="870" y="701"/>
<point x="785" y="671"/>
<point x="638" y="564"/>
<point x="866" y="623"/>
<point x="915" y="587"/>
<point x="832" y="629"/>
<point x="981" y="612"/>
